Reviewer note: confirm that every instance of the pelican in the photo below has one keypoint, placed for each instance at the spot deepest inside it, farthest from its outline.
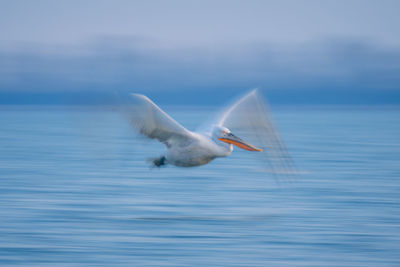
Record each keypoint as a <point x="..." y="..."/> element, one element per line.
<point x="248" y="116"/>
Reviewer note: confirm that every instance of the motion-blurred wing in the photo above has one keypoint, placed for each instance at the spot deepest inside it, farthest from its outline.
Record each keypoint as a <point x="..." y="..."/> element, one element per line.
<point x="151" y="121"/>
<point x="250" y="119"/>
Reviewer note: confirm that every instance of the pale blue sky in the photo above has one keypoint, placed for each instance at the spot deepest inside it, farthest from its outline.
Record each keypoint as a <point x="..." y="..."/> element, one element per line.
<point x="200" y="23"/>
<point x="298" y="51"/>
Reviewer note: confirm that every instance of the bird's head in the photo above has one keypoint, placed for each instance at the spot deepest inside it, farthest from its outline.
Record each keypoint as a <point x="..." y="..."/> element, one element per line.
<point x="224" y="134"/>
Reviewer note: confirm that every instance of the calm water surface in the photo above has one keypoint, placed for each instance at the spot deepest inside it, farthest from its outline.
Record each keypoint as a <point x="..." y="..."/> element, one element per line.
<point x="75" y="189"/>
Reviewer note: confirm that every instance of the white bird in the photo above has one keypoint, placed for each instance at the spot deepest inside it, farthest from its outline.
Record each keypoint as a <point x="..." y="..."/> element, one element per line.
<point x="249" y="116"/>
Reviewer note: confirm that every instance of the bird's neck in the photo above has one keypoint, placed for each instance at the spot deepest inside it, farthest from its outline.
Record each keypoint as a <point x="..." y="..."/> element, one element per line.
<point x="224" y="149"/>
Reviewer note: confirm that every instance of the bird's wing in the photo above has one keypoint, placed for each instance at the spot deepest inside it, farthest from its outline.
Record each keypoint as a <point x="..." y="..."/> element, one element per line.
<point x="250" y="119"/>
<point x="152" y="121"/>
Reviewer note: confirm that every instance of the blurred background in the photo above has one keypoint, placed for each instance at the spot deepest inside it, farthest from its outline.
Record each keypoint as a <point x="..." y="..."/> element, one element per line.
<point x="75" y="187"/>
<point x="300" y="52"/>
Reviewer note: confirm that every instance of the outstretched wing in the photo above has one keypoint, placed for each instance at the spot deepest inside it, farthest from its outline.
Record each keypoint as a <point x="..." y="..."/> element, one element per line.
<point x="250" y="119"/>
<point x="151" y="121"/>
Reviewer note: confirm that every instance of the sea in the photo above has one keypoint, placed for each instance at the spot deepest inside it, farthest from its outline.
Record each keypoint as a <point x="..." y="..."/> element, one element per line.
<point x="76" y="189"/>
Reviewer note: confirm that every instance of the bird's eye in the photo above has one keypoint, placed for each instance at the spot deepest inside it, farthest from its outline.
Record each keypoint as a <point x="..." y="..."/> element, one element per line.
<point x="223" y="132"/>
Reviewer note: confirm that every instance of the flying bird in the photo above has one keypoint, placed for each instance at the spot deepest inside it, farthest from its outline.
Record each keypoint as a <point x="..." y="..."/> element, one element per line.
<point x="249" y="116"/>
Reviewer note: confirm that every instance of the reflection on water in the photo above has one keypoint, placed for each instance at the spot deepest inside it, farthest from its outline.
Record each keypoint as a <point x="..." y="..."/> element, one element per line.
<point x="75" y="188"/>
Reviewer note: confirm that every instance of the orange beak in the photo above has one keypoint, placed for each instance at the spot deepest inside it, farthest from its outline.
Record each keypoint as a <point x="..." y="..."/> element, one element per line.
<point x="232" y="139"/>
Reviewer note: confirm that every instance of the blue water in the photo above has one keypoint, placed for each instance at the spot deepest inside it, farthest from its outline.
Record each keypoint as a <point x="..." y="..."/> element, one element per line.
<point x="75" y="189"/>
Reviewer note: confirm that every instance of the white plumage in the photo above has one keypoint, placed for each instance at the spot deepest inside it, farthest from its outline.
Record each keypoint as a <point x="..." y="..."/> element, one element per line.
<point x="249" y="116"/>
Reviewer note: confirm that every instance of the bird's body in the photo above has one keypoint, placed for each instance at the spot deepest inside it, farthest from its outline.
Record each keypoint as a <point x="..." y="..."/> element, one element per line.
<point x="194" y="148"/>
<point x="197" y="149"/>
